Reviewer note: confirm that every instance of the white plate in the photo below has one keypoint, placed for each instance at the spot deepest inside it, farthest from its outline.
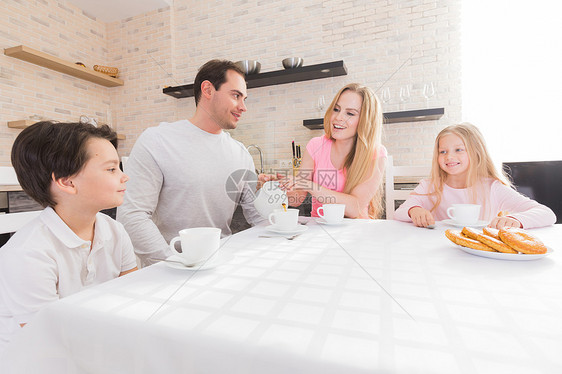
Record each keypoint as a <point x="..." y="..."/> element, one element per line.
<point x="218" y="259"/>
<point x="478" y="224"/>
<point x="505" y="256"/>
<point x="297" y="230"/>
<point x="322" y="221"/>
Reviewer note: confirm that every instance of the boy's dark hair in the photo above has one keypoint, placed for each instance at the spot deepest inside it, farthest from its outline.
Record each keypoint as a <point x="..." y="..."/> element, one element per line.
<point x="48" y="148"/>
<point x="213" y="71"/>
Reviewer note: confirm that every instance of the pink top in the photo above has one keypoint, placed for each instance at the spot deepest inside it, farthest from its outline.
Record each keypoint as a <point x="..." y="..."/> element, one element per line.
<point x="326" y="174"/>
<point x="500" y="198"/>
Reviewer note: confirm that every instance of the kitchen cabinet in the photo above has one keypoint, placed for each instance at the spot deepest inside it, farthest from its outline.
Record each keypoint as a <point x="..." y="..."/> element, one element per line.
<point x="271" y="78"/>
<point x="390" y="117"/>
<point x="13" y="200"/>
<point x="19" y="201"/>
<point x="54" y="63"/>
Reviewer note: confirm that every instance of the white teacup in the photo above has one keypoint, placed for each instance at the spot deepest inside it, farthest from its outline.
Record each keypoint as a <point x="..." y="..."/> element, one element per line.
<point x="197" y="244"/>
<point x="464" y="214"/>
<point x="331" y="213"/>
<point x="269" y="197"/>
<point x="285" y="220"/>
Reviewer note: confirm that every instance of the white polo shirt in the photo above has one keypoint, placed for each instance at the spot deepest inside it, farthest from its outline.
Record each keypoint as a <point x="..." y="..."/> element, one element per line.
<point x="45" y="260"/>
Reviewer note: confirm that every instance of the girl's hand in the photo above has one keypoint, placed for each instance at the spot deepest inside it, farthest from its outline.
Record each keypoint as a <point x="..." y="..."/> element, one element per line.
<point x="421" y="217"/>
<point x="504" y="221"/>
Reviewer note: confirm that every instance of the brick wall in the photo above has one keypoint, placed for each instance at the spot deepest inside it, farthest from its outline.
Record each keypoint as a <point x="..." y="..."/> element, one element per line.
<point x="382" y="42"/>
<point x="59" y="29"/>
<point x="142" y="47"/>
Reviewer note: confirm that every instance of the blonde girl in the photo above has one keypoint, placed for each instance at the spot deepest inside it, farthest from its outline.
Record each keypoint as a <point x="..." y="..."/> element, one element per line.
<point x="344" y="166"/>
<point x="462" y="173"/>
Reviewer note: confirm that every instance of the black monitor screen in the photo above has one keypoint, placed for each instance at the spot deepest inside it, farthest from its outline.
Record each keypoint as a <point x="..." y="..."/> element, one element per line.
<point x="540" y="181"/>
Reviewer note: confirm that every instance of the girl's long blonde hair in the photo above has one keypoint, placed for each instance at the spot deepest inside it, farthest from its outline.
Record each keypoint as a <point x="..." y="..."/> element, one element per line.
<point x="481" y="166"/>
<point x="360" y="162"/>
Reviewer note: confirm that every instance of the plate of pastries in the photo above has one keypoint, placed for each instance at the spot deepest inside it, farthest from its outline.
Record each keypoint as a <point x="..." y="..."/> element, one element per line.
<point x="505" y="244"/>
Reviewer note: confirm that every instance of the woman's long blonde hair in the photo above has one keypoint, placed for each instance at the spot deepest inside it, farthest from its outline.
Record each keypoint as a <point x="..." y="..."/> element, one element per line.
<point x="481" y="166"/>
<point x="360" y="162"/>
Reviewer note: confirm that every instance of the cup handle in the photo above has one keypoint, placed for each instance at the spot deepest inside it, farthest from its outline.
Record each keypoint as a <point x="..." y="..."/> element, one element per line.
<point x="449" y="209"/>
<point x="271" y="220"/>
<point x="318" y="211"/>
<point x="172" y="244"/>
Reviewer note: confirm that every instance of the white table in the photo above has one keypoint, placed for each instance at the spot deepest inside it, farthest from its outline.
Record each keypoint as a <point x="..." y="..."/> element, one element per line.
<point x="364" y="297"/>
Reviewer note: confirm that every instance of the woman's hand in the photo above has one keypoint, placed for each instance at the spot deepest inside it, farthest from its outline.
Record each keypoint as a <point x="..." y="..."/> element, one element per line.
<point x="504" y="221"/>
<point x="287" y="183"/>
<point x="262" y="178"/>
<point x="421" y="217"/>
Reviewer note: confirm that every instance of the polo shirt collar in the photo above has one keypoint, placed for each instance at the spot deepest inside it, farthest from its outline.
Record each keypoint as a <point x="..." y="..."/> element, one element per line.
<point x="60" y="230"/>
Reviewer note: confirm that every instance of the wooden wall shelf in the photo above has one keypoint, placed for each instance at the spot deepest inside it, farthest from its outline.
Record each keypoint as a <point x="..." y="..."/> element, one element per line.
<point x="304" y="73"/>
<point x="23" y="123"/>
<point x="391" y="117"/>
<point x="54" y="63"/>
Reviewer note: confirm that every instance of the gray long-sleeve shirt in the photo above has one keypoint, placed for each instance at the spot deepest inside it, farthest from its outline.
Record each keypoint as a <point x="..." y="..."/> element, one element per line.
<point x="182" y="177"/>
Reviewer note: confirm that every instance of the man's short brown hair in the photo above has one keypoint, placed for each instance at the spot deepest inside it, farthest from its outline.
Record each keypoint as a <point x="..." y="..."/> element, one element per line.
<point x="213" y="71"/>
<point x="48" y="148"/>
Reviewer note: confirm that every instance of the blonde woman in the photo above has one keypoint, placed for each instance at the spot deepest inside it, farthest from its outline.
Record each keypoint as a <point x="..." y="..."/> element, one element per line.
<point x="346" y="165"/>
<point x="463" y="173"/>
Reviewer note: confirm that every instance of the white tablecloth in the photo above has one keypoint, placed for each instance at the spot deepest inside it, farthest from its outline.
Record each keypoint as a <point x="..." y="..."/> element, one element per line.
<point x="363" y="297"/>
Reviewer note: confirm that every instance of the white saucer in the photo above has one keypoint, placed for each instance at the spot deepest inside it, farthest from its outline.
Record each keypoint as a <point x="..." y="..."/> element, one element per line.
<point x="217" y="259"/>
<point x="297" y="230"/>
<point x="322" y="221"/>
<point x="478" y="224"/>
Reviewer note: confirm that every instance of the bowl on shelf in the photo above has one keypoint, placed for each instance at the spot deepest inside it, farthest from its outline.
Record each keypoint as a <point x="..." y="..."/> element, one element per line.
<point x="292" y="62"/>
<point x="249" y="66"/>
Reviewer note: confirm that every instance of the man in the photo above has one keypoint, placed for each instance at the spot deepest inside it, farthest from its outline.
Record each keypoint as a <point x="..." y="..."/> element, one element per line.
<point x="179" y="171"/>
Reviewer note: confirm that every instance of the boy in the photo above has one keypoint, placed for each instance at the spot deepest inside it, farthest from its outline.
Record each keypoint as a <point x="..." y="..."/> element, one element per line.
<point x="71" y="169"/>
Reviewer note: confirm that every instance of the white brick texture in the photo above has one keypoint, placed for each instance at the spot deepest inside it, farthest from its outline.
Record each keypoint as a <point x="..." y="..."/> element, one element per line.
<point x="390" y="43"/>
